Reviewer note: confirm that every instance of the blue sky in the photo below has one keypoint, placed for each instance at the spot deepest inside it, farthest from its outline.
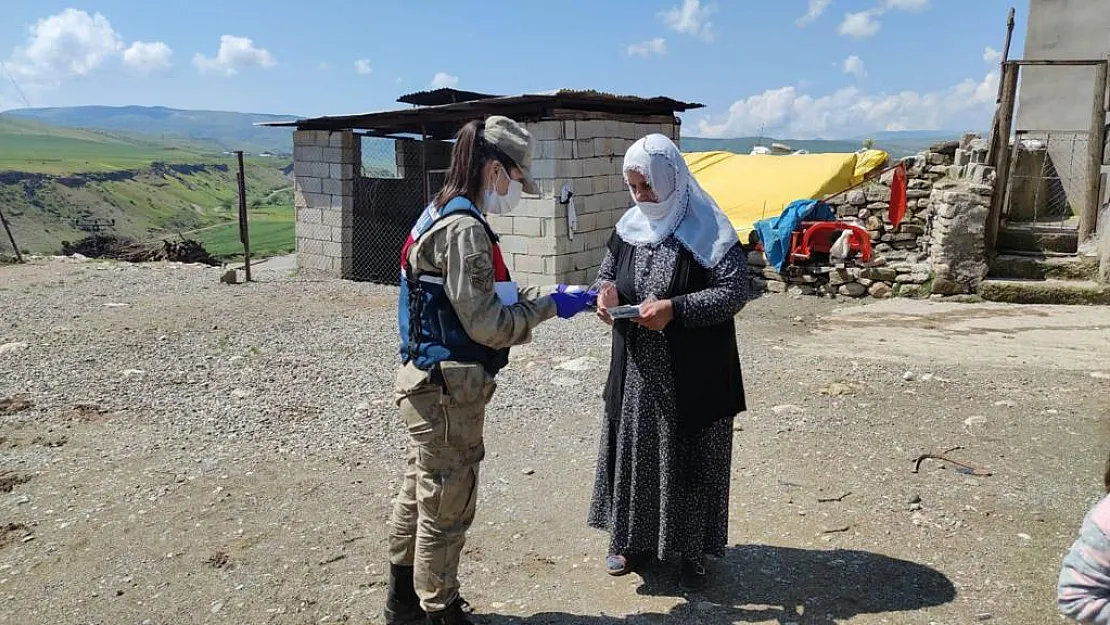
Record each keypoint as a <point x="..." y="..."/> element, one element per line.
<point x="795" y="68"/>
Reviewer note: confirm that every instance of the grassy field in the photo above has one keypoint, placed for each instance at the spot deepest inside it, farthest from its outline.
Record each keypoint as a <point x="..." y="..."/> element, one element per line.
<point x="195" y="189"/>
<point x="33" y="147"/>
<point x="270" y="228"/>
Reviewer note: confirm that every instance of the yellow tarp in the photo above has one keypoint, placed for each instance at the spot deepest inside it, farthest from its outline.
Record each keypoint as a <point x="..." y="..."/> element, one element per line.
<point x="749" y="188"/>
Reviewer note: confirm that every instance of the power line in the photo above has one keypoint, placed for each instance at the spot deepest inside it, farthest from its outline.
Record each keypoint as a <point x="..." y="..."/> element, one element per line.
<point x="11" y="78"/>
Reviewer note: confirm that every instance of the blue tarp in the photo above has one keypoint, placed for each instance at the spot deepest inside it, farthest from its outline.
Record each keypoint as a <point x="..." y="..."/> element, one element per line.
<point x="775" y="232"/>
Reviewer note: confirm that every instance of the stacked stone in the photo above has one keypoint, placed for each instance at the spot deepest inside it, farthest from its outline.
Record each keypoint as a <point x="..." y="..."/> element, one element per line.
<point x="958" y="249"/>
<point x="587" y="156"/>
<point x="936" y="249"/>
<point x="324" y="172"/>
<point x="876" y="279"/>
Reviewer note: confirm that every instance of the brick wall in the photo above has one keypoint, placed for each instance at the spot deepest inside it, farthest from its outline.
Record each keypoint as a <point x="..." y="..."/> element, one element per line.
<point x="587" y="155"/>
<point x="324" y="169"/>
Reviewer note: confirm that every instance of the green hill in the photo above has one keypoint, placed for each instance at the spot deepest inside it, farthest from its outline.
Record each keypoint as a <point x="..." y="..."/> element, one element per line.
<point x="30" y="146"/>
<point x="54" y="178"/>
<point x="225" y="130"/>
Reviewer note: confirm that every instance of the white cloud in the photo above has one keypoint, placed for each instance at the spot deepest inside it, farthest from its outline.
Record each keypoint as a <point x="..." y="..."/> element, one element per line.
<point x="148" y="57"/>
<point x="362" y="67"/>
<point x="863" y="24"/>
<point x="235" y="54"/>
<point x="860" y="25"/>
<point x="788" y="113"/>
<point x="67" y="45"/>
<point x="816" y="9"/>
<point x="906" y="5"/>
<point x="324" y="66"/>
<point x="656" y="46"/>
<point x="854" y="65"/>
<point x="690" y="19"/>
<point x="990" y="55"/>
<point x="444" y="80"/>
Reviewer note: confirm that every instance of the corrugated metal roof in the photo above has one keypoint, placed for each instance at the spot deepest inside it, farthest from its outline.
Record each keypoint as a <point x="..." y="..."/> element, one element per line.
<point x="443" y="120"/>
<point x="446" y="95"/>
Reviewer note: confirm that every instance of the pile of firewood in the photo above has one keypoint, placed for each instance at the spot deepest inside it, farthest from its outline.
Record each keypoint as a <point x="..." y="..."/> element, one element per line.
<point x="129" y="250"/>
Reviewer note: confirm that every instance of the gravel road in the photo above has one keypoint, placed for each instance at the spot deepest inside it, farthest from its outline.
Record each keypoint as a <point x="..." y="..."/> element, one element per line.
<point x="176" y="450"/>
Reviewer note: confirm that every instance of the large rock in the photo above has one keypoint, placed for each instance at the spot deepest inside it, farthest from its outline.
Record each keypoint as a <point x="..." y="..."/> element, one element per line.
<point x="945" y="148"/>
<point x="877" y="193"/>
<point x="856" y="197"/>
<point x="913" y="290"/>
<point x="881" y="274"/>
<point x="838" y="277"/>
<point x="880" y="290"/>
<point x="853" y="289"/>
<point x="944" y="286"/>
<point x="802" y="289"/>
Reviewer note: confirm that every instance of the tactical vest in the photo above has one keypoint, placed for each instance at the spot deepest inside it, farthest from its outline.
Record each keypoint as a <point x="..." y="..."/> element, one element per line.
<point x="430" y="331"/>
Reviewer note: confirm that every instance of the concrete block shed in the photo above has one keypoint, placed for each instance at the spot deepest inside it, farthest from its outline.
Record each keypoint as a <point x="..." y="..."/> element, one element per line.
<point x="362" y="180"/>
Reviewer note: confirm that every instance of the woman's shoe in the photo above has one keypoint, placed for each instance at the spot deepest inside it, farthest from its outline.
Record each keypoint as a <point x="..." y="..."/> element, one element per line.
<point x="617" y="565"/>
<point x="693" y="575"/>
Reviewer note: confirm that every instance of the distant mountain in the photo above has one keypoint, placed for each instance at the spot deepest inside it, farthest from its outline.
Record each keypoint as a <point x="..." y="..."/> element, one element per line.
<point x="915" y="134"/>
<point x="897" y="145"/>
<point x="228" y="130"/>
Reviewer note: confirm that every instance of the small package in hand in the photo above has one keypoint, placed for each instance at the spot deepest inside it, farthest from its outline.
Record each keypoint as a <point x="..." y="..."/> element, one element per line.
<point x="624" y="312"/>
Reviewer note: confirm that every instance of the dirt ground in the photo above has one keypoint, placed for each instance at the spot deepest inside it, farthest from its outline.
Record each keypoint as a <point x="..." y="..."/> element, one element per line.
<point x="174" y="450"/>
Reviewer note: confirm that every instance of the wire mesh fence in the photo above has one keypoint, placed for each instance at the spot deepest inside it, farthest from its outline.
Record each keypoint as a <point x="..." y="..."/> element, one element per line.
<point x="1048" y="178"/>
<point x="390" y="192"/>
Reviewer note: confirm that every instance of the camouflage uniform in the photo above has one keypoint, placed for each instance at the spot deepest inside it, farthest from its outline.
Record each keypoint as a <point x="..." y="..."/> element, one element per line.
<point x="445" y="417"/>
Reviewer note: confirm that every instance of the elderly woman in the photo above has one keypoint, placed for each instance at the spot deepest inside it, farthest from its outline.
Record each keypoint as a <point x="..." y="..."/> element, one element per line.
<point x="674" y="387"/>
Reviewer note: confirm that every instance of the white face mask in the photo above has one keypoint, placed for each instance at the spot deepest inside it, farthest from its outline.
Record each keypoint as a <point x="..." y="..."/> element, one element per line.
<point x="496" y="204"/>
<point x="655" y="211"/>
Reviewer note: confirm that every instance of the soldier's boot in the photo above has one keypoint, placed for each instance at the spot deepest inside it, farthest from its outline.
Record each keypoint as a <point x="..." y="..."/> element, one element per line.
<point x="402" y="606"/>
<point x="455" y="614"/>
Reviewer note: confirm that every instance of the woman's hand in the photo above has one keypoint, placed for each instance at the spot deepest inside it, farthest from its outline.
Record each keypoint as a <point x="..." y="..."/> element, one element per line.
<point x="655" y="315"/>
<point x="607" y="298"/>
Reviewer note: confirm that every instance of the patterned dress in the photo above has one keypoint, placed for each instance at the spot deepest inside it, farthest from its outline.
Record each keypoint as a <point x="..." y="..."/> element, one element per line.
<point x="670" y="488"/>
<point x="1083" y="591"/>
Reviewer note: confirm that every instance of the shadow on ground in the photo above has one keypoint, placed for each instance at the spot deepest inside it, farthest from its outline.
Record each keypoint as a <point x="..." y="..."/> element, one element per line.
<point x="759" y="584"/>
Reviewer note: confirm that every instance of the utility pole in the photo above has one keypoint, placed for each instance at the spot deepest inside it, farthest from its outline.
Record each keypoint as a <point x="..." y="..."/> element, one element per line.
<point x="244" y="232"/>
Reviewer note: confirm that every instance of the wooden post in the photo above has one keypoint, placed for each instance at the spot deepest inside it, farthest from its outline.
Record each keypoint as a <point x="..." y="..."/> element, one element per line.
<point x="1002" y="172"/>
<point x="7" y="228"/>
<point x="992" y="149"/>
<point x="244" y="231"/>
<point x="1096" y="143"/>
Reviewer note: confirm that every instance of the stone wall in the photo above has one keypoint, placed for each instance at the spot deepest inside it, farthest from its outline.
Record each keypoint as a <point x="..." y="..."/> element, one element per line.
<point x="586" y="155"/>
<point x="937" y="249"/>
<point x="324" y="168"/>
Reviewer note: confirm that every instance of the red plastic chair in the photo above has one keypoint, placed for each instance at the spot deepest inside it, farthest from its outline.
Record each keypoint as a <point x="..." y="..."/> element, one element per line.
<point x="819" y="237"/>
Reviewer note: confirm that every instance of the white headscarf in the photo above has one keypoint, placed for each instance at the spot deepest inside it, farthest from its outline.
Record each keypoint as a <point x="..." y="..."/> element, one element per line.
<point x="683" y="209"/>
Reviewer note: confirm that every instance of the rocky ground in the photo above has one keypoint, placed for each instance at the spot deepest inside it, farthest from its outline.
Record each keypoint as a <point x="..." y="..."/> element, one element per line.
<point x="176" y="450"/>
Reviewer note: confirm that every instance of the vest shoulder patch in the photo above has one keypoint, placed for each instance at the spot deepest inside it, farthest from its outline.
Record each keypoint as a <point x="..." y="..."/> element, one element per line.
<point x="479" y="270"/>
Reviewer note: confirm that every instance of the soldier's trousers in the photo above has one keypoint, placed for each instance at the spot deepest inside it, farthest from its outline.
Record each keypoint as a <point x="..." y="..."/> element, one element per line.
<point x="436" y="503"/>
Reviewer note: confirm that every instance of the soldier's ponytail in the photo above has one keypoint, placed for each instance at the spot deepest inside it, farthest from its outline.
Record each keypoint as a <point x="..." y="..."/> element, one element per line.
<point x="468" y="157"/>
